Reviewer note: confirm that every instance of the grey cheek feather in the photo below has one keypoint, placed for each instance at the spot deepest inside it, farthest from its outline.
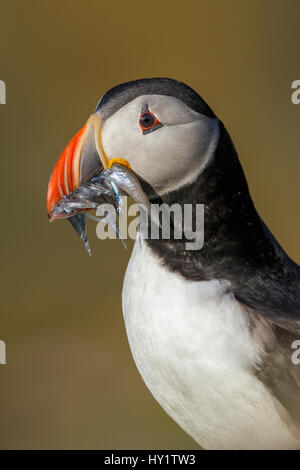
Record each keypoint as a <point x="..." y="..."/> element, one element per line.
<point x="192" y="155"/>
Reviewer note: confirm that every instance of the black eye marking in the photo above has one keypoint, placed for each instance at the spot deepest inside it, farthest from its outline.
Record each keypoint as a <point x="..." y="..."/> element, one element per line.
<point x="144" y="109"/>
<point x="148" y="121"/>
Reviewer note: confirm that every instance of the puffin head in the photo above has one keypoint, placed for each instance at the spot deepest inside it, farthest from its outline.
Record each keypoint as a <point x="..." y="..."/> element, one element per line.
<point x="160" y="128"/>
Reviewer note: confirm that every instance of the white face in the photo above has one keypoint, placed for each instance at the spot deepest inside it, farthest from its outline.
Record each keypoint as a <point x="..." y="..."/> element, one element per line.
<point x="168" y="157"/>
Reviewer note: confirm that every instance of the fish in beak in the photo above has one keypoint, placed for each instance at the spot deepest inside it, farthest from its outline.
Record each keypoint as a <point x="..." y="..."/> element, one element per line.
<point x="82" y="159"/>
<point x="84" y="177"/>
<point x="79" y="224"/>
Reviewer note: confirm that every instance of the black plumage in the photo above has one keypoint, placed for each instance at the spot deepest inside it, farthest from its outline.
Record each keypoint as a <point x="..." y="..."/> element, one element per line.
<point x="120" y="95"/>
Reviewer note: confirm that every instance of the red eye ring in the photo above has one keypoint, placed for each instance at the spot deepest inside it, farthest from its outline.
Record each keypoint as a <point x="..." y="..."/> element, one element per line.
<point x="148" y="121"/>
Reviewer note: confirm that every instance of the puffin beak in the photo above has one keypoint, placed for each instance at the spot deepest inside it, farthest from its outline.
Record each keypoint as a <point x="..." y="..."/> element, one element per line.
<point x="82" y="158"/>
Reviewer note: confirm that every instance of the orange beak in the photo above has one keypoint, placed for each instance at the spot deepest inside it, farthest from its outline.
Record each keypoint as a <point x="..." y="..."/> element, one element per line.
<point x="82" y="158"/>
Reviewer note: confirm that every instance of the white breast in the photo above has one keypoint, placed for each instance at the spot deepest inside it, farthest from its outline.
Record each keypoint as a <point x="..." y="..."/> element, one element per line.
<point x="192" y="344"/>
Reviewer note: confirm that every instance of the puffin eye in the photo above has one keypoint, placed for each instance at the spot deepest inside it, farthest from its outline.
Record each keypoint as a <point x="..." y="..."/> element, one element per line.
<point x="148" y="121"/>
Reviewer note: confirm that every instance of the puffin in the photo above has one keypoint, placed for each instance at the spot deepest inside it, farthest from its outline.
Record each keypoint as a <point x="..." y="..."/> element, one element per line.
<point x="211" y="330"/>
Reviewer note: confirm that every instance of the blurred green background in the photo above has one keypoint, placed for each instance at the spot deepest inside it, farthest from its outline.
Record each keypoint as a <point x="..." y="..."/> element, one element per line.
<point x="70" y="381"/>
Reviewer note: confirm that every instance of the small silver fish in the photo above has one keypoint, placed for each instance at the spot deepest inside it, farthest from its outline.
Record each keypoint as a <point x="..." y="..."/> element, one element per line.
<point x="106" y="187"/>
<point x="78" y="222"/>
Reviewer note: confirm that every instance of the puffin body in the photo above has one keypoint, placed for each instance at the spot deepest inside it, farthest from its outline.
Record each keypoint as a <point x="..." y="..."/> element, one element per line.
<point x="211" y="330"/>
<point x="197" y="350"/>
